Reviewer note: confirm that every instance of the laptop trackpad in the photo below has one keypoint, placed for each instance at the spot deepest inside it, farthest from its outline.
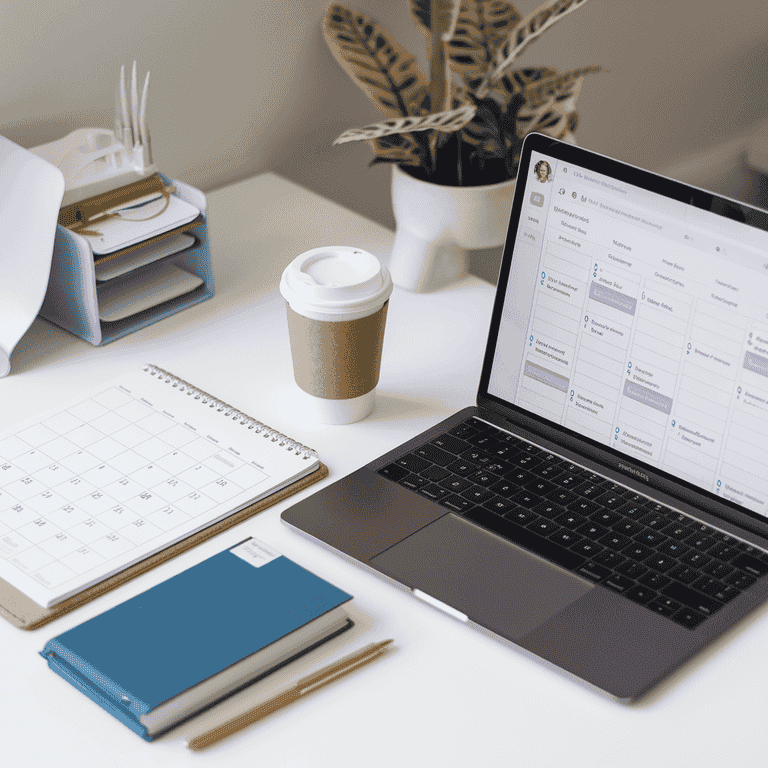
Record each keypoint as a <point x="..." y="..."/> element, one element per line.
<point x="497" y="584"/>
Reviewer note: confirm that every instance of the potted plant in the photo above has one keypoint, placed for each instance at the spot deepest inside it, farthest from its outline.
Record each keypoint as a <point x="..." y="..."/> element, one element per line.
<point x="453" y="138"/>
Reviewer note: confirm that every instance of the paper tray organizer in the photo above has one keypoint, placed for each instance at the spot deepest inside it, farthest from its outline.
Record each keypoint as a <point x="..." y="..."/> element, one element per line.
<point x="72" y="301"/>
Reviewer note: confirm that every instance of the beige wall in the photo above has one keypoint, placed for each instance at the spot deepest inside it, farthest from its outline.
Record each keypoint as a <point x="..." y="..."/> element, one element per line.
<point x="239" y="87"/>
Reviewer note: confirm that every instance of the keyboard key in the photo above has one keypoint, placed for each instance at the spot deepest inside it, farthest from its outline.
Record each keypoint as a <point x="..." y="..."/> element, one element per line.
<point x="464" y="430"/>
<point x="614" y="540"/>
<point x="663" y="606"/>
<point x="482" y="477"/>
<point x="477" y="457"/>
<point x="462" y="467"/>
<point x="718" y="569"/>
<point x="414" y="482"/>
<point x="566" y="558"/>
<point x="435" y="455"/>
<point x="520" y="515"/>
<point x="637" y="551"/>
<point x="394" y="472"/>
<point x="700" y="542"/>
<point x="750" y="564"/>
<point x="539" y="487"/>
<point x="674" y="548"/>
<point x="608" y="559"/>
<point x="649" y="537"/>
<point x="590" y="491"/>
<point x="654" y="580"/>
<point x="451" y="444"/>
<point x="690" y="598"/>
<point x="740" y="580"/>
<point x="587" y="548"/>
<point x="605" y="517"/>
<point x="525" y="461"/>
<point x="631" y="568"/>
<point x="434" y="492"/>
<point x="655" y="520"/>
<point x="570" y="520"/>
<point x="412" y="462"/>
<point x="498" y="505"/>
<point x="569" y="481"/>
<point x="724" y="550"/>
<point x="456" y="484"/>
<point x="708" y="586"/>
<point x="525" y="499"/>
<point x="564" y="537"/>
<point x="547" y="471"/>
<point x="688" y="618"/>
<point x="678" y="530"/>
<point x="562" y="497"/>
<point x="435" y="473"/>
<point x="543" y="526"/>
<point x="695" y="558"/>
<point x="593" y="571"/>
<point x="591" y="530"/>
<point x="640" y="594"/>
<point x="548" y="509"/>
<point x="457" y="503"/>
<point x="618" y="582"/>
<point x="611" y="500"/>
<point x="477" y="494"/>
<point x="660" y="562"/>
<point x="518" y="476"/>
<point x="684" y="573"/>
<point x="505" y="488"/>
<point x="627" y="527"/>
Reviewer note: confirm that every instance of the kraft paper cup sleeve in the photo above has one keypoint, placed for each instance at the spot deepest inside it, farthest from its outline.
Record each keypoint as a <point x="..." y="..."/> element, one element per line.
<point x="337" y="360"/>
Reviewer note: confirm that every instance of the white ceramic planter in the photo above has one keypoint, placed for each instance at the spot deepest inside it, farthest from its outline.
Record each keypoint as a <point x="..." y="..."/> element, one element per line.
<point x="437" y="225"/>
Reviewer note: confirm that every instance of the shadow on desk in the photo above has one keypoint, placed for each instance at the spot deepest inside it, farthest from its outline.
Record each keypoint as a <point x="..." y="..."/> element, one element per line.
<point x="43" y="343"/>
<point x="395" y="408"/>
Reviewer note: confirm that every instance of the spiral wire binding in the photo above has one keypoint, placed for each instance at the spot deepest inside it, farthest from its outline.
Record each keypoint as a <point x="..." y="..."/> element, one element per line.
<point x="229" y="412"/>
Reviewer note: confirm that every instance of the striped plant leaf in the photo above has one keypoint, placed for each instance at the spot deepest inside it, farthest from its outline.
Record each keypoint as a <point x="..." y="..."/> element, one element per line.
<point x="478" y="28"/>
<point x="384" y="70"/>
<point x="399" y="148"/>
<point x="529" y="29"/>
<point x="423" y="13"/>
<point x="516" y="82"/>
<point x="448" y="122"/>
<point x="493" y="130"/>
<point x="555" y="86"/>
<point x="499" y="18"/>
<point x="554" y="116"/>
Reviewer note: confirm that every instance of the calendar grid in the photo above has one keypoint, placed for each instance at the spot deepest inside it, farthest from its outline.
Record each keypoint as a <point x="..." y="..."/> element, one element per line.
<point x="94" y="487"/>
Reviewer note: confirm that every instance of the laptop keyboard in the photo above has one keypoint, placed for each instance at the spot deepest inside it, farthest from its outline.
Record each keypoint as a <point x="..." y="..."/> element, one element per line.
<point x="668" y="562"/>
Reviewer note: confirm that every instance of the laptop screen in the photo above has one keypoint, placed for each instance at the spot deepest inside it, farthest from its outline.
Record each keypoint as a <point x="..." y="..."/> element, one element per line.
<point x="635" y="314"/>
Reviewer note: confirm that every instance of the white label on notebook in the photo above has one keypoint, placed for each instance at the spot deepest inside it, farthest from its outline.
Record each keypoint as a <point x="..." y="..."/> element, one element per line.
<point x="255" y="552"/>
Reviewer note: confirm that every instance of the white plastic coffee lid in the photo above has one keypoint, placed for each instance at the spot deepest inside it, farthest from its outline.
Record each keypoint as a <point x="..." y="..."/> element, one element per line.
<point x="336" y="280"/>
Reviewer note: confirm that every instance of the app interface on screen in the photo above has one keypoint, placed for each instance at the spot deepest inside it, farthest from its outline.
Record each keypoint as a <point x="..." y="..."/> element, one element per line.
<point x="641" y="323"/>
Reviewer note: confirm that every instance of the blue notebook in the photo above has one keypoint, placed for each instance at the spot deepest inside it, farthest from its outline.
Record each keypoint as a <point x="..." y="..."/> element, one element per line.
<point x="181" y="646"/>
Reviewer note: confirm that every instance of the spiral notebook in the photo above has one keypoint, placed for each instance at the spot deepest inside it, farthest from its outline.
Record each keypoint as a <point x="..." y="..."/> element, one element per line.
<point x="138" y="467"/>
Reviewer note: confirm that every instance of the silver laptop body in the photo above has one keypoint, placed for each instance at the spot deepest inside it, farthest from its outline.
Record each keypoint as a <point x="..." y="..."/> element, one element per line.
<point x="605" y="503"/>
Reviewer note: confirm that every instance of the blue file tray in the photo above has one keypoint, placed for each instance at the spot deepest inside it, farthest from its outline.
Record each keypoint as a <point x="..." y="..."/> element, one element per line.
<point x="72" y="302"/>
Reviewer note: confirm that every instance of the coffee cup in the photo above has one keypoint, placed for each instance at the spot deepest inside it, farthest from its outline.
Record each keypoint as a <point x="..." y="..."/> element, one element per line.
<point x="336" y="300"/>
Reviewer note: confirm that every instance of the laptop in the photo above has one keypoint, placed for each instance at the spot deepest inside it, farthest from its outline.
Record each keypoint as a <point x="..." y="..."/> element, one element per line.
<point x="604" y="505"/>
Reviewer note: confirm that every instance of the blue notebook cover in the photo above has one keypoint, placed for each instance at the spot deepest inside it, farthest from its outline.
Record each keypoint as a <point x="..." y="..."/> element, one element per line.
<point x="156" y="645"/>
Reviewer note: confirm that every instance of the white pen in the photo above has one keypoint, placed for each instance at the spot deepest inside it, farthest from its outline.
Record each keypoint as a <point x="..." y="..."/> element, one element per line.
<point x="118" y="109"/>
<point x="143" y="137"/>
<point x="127" y="135"/>
<point x="134" y="106"/>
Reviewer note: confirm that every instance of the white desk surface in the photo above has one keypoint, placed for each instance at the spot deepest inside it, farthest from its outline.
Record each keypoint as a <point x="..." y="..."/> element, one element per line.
<point x="449" y="695"/>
